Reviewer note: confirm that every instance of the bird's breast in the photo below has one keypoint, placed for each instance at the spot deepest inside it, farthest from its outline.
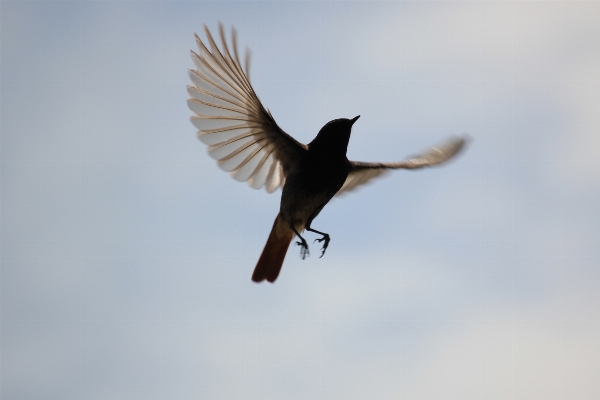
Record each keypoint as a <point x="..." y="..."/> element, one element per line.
<point x="324" y="175"/>
<point x="314" y="183"/>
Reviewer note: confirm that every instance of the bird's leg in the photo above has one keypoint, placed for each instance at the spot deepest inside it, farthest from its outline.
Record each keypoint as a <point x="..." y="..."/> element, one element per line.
<point x="324" y="238"/>
<point x="304" y="246"/>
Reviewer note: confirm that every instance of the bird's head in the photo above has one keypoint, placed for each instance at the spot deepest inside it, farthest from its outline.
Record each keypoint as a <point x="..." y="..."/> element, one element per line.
<point x="333" y="137"/>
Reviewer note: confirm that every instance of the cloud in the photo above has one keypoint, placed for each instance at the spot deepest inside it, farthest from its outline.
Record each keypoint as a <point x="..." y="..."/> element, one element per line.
<point x="502" y="357"/>
<point x="126" y="252"/>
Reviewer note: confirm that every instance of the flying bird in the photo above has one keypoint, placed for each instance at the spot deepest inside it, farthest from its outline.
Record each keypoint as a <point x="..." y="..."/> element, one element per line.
<point x="242" y="135"/>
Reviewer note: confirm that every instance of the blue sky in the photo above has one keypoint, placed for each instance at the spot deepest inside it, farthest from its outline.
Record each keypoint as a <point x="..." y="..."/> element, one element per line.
<point x="127" y="254"/>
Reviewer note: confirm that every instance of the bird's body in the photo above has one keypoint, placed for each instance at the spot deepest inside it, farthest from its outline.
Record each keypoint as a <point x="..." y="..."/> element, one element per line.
<point x="313" y="181"/>
<point x="245" y="139"/>
<point x="318" y="176"/>
<point x="307" y="190"/>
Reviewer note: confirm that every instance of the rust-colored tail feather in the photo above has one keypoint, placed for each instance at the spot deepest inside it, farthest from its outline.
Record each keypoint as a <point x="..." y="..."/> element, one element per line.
<point x="270" y="261"/>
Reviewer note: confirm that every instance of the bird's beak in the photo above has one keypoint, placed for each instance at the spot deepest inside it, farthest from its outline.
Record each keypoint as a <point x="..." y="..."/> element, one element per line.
<point x="353" y="120"/>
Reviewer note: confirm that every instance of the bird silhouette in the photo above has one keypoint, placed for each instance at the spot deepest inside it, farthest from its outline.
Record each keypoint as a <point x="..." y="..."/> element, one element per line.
<point x="242" y="135"/>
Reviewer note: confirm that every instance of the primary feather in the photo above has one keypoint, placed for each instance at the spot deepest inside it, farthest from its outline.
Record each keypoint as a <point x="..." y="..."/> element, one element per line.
<point x="240" y="133"/>
<point x="362" y="172"/>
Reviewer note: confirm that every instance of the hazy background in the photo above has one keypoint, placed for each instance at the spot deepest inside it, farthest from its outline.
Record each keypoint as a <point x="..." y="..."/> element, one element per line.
<point x="127" y="254"/>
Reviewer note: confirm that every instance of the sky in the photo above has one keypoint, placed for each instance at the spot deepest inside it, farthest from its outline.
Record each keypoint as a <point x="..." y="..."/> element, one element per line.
<point x="126" y="254"/>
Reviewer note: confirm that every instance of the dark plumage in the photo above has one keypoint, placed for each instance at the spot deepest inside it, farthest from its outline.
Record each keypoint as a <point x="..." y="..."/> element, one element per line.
<point x="245" y="139"/>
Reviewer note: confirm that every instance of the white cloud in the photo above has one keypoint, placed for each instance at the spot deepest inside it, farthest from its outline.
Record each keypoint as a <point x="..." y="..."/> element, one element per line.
<point x="576" y="158"/>
<point x="414" y="318"/>
<point x="521" y="359"/>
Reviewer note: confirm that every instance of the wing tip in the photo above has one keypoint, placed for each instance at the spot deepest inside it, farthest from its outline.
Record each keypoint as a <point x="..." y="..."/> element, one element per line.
<point x="461" y="142"/>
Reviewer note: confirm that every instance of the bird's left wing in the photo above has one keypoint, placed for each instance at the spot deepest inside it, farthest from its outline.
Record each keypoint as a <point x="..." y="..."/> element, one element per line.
<point x="362" y="172"/>
<point x="240" y="133"/>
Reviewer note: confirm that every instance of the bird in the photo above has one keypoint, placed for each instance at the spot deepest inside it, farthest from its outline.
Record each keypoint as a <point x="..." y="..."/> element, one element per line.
<point x="242" y="135"/>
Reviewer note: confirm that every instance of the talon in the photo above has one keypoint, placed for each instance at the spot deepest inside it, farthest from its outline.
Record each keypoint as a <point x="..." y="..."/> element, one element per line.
<point x="302" y="243"/>
<point x="304" y="252"/>
<point x="304" y="249"/>
<point x="325" y="245"/>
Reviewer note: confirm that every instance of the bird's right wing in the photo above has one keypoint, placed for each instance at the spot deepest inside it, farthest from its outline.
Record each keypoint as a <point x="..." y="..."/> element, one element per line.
<point x="240" y="133"/>
<point x="362" y="172"/>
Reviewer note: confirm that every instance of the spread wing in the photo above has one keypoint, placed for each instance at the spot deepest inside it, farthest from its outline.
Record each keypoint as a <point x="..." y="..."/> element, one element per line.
<point x="240" y="133"/>
<point x="363" y="172"/>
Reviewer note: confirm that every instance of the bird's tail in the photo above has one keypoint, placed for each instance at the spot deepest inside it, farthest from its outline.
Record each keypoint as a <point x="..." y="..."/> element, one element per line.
<point x="270" y="261"/>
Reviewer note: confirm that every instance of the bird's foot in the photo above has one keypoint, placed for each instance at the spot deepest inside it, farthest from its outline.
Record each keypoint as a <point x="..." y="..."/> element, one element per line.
<point x="326" y="239"/>
<point x="303" y="248"/>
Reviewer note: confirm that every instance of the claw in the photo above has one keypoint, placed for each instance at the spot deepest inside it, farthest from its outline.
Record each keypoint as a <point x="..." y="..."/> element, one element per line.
<point x="326" y="239"/>
<point x="304" y="249"/>
<point x="322" y="252"/>
<point x="304" y="253"/>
